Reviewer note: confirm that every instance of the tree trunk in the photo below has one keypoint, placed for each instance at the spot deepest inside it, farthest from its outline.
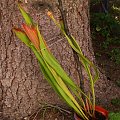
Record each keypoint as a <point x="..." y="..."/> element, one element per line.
<point x="22" y="86"/>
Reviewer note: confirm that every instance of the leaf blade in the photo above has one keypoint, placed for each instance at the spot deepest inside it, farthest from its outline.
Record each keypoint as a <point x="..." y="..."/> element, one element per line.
<point x="25" y="15"/>
<point x="22" y="36"/>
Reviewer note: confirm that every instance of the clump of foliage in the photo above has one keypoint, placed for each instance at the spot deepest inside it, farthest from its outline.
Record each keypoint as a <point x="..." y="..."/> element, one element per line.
<point x="115" y="55"/>
<point x="105" y="25"/>
<point x="108" y="29"/>
<point x="114" y="116"/>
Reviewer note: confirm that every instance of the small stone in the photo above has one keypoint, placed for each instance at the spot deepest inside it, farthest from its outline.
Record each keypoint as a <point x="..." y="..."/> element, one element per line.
<point x="25" y="118"/>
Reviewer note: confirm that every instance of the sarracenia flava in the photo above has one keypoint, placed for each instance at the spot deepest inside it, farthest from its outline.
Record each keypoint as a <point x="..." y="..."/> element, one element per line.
<point x="52" y="70"/>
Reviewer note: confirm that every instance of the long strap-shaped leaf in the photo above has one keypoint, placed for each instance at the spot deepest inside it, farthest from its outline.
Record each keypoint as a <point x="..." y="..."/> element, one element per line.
<point x="53" y="63"/>
<point x="51" y="60"/>
<point x="58" y="84"/>
<point x="77" y="49"/>
<point x="85" y="62"/>
<point x="25" y="15"/>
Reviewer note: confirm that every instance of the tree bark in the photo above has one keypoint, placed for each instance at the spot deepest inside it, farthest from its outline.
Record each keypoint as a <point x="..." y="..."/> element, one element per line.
<point x="22" y="86"/>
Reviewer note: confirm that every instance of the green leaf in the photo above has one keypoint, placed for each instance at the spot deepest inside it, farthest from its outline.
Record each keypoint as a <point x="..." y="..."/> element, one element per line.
<point x="62" y="25"/>
<point x="66" y="90"/>
<point x="56" y="83"/>
<point x="114" y="116"/>
<point x="22" y="36"/>
<point x="25" y="15"/>
<point x="98" y="28"/>
<point x="51" y="60"/>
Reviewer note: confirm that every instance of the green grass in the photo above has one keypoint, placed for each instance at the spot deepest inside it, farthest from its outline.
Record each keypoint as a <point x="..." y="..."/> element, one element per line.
<point x="114" y="116"/>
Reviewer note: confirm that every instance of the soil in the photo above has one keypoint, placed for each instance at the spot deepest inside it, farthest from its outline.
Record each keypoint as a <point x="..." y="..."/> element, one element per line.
<point x="51" y="114"/>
